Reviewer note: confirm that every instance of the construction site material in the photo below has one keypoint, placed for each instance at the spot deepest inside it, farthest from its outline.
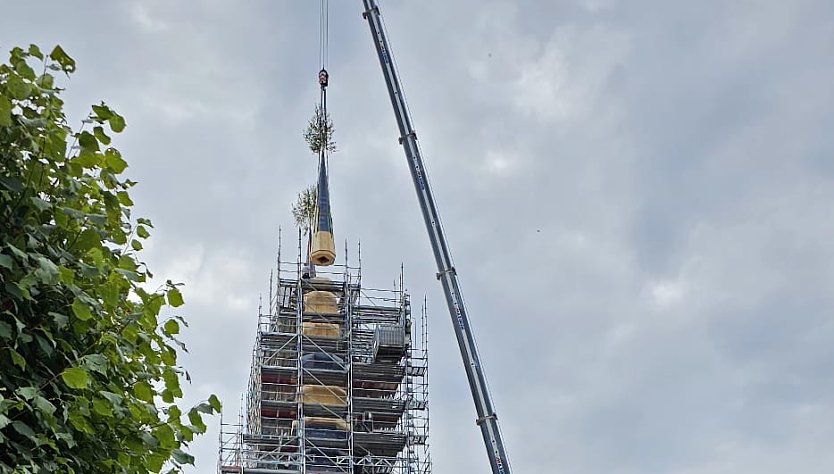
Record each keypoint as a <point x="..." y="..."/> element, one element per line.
<point x="389" y="341"/>
<point x="324" y="330"/>
<point x="361" y="414"/>
<point x="322" y="360"/>
<point x="324" y="422"/>
<point x="487" y="418"/>
<point x="323" y="251"/>
<point x="321" y="302"/>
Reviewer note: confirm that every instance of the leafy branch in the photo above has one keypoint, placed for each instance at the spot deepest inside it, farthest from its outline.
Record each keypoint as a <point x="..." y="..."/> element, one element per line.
<point x="89" y="380"/>
<point x="319" y="132"/>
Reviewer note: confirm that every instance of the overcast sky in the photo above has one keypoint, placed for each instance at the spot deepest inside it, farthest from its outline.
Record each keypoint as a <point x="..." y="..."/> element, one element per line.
<point x="638" y="196"/>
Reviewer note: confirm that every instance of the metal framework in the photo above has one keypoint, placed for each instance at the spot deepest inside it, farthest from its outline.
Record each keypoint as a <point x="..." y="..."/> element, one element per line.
<point x="487" y="418"/>
<point x="339" y="380"/>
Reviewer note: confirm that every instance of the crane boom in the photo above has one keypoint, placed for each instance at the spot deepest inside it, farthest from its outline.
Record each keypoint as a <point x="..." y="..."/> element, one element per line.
<point x="487" y="419"/>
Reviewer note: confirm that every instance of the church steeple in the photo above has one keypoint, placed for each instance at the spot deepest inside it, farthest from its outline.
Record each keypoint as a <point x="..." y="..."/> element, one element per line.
<point x="322" y="247"/>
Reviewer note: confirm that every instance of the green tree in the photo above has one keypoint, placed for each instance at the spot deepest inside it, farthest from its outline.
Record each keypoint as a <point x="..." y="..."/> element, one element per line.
<point x="319" y="132"/>
<point x="89" y="380"/>
<point x="304" y="209"/>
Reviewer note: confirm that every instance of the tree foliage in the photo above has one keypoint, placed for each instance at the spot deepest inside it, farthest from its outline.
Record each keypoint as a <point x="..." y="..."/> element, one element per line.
<point x="319" y="132"/>
<point x="89" y="380"/>
<point x="304" y="209"/>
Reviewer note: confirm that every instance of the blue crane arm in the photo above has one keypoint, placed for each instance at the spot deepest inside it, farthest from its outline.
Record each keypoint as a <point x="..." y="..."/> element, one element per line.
<point x="487" y="419"/>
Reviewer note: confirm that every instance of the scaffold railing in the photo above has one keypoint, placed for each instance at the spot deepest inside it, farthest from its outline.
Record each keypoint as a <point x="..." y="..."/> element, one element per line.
<point x="339" y="379"/>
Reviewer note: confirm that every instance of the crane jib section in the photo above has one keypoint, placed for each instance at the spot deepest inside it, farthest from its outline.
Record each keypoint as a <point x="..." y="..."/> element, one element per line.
<point x="487" y="419"/>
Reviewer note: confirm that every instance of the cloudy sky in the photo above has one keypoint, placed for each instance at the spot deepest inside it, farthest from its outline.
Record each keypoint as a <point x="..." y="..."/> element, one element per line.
<point x="638" y="196"/>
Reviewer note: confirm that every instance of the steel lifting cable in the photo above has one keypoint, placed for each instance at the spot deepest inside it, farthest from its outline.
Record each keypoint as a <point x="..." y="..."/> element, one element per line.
<point x="324" y="24"/>
<point x="326" y="32"/>
<point x="324" y="39"/>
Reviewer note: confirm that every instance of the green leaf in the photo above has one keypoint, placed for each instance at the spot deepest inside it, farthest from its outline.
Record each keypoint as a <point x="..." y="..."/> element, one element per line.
<point x="27" y="282"/>
<point x="182" y="457"/>
<point x="114" y="399"/>
<point x="6" y="331"/>
<point x="197" y="421"/>
<point x="76" y="377"/>
<point x="187" y="433"/>
<point x="79" y="422"/>
<point x="172" y="382"/>
<point x="88" y="239"/>
<point x="40" y="204"/>
<point x="81" y="310"/>
<point x="16" y="88"/>
<point x="98" y="132"/>
<point x="61" y="219"/>
<point x="173" y="412"/>
<point x="95" y="363"/>
<point x="61" y="320"/>
<point x="47" y="344"/>
<point x="148" y="439"/>
<point x="5" y="261"/>
<point x="4" y="422"/>
<point x="136" y="245"/>
<point x="130" y="332"/>
<point x="102" y="407"/>
<point x="27" y="393"/>
<point x="24" y="70"/>
<point x="110" y="294"/>
<point x="215" y="403"/>
<point x="17" y="359"/>
<point x="35" y="51"/>
<point x="14" y="291"/>
<point x="132" y="276"/>
<point x="12" y="184"/>
<point x="86" y="159"/>
<point x="23" y="256"/>
<point x="61" y="57"/>
<point x="66" y="275"/>
<point x="5" y="112"/>
<point x="155" y="462"/>
<point x="113" y="160"/>
<point x="168" y="356"/>
<point x="117" y="123"/>
<point x="124" y="198"/>
<point x="88" y="142"/>
<point x="23" y="429"/>
<point x="46" y="81"/>
<point x="102" y="111"/>
<point x="47" y="271"/>
<point x="44" y="405"/>
<point x="174" y="298"/>
<point x="171" y="327"/>
<point x="142" y="232"/>
<point x="143" y="391"/>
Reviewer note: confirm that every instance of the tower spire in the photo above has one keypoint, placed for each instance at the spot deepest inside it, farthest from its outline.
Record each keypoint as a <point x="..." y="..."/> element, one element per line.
<point x="322" y="245"/>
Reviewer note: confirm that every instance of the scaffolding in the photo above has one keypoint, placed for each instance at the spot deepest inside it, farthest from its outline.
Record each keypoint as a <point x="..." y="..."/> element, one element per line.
<point x="339" y="380"/>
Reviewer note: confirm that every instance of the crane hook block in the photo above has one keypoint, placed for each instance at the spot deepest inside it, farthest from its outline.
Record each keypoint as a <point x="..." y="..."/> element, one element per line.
<point x="323" y="78"/>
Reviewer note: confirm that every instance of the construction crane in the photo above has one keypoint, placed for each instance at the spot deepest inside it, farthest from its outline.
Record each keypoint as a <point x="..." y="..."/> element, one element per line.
<point x="487" y="419"/>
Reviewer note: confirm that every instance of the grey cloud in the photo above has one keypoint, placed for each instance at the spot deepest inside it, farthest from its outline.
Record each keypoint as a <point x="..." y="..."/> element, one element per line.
<point x="637" y="194"/>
